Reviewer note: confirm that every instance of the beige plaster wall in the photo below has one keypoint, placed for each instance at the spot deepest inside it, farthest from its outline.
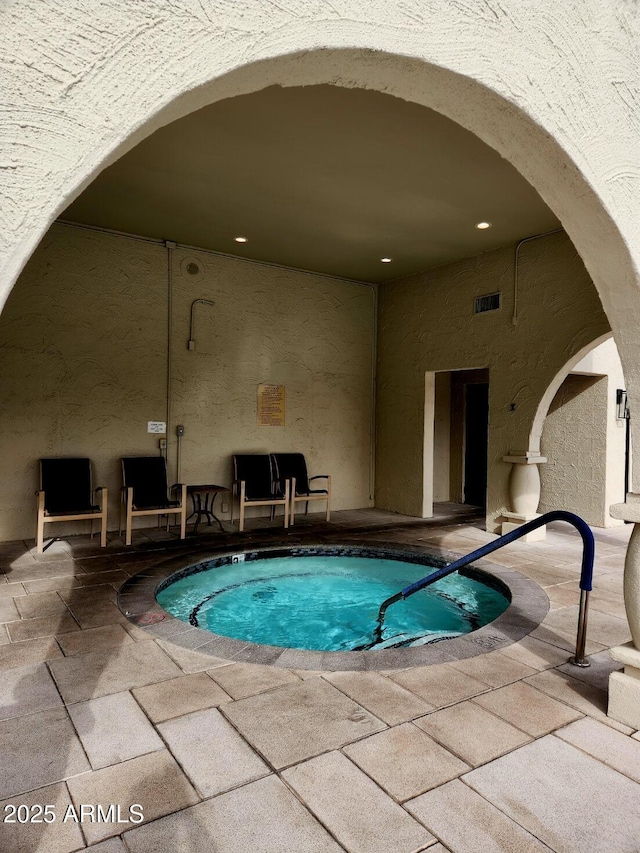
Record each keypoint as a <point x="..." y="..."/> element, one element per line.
<point x="83" y="356"/>
<point x="552" y="87"/>
<point x="574" y="440"/>
<point x="426" y="323"/>
<point x="604" y="360"/>
<point x="584" y="441"/>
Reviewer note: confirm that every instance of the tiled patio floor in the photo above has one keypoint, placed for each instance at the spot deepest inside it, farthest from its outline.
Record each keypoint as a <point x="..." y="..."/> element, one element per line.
<point x="508" y="751"/>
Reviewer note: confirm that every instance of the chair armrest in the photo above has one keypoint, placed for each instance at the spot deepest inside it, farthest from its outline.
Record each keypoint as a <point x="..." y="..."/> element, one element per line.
<point x="179" y="487"/>
<point x="104" y="492"/>
<point x="320" y="477"/>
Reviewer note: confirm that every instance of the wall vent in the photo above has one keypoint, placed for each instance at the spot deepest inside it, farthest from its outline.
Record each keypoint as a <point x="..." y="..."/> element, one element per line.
<point x="490" y="302"/>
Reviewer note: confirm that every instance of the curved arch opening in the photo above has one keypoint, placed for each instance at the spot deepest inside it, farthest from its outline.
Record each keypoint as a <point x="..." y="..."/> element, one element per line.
<point x="585" y="438"/>
<point x="468" y="102"/>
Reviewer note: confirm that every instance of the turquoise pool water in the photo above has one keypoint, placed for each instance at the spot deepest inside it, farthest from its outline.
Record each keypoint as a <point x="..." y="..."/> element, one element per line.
<point x="329" y="603"/>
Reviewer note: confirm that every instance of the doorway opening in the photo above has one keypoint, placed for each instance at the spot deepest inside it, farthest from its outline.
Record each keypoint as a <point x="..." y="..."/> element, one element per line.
<point x="460" y="436"/>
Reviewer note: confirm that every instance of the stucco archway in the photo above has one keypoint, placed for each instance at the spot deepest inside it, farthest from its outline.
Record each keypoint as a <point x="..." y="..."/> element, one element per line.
<point x="493" y="70"/>
<point x="558" y="379"/>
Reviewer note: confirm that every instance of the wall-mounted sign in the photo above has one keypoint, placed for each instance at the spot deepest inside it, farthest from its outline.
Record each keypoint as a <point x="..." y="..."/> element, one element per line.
<point x="270" y="405"/>
<point x="158" y="427"/>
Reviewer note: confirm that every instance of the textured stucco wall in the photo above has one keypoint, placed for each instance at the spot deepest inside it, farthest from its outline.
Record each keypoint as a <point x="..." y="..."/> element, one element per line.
<point x="574" y="440"/>
<point x="426" y="323"/>
<point x="585" y="442"/>
<point x="554" y="87"/>
<point x="83" y="354"/>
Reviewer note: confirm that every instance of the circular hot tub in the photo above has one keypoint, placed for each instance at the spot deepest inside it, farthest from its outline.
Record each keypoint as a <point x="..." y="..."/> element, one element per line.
<point x="254" y="607"/>
<point x="328" y="601"/>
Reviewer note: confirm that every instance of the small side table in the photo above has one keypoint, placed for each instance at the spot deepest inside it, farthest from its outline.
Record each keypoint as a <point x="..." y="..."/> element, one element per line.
<point x="203" y="499"/>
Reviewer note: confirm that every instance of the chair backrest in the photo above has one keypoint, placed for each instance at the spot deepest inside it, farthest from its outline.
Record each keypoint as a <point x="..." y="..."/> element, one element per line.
<point x="66" y="484"/>
<point x="288" y="465"/>
<point x="257" y="472"/>
<point x="148" y="477"/>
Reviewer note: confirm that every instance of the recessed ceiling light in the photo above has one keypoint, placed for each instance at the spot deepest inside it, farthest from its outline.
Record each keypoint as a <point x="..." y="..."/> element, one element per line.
<point x="386" y="260"/>
<point x="483" y="225"/>
<point x="240" y="239"/>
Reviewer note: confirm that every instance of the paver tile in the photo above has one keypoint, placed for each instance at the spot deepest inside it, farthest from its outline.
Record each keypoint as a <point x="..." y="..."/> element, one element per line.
<point x="111" y="845"/>
<point x="10" y="590"/>
<point x="536" y="653"/>
<point x="37" y="750"/>
<point x="55" y="837"/>
<point x="578" y="694"/>
<point x="27" y="689"/>
<point x="22" y="571"/>
<point x="597" y="674"/>
<point x="51" y="584"/>
<point x="353" y="808"/>
<point x="43" y="626"/>
<point x="153" y="781"/>
<point x="467" y="823"/>
<point x="88" y="596"/>
<point x="546" y="786"/>
<point x="93" y="614"/>
<point x="603" y="628"/>
<point x="494" y="668"/>
<point x="179" y="696"/>
<point x="113" y="729"/>
<point x="116" y="577"/>
<point x="613" y="748"/>
<point x="28" y="652"/>
<point x="472" y="733"/>
<point x="211" y="752"/>
<point x="390" y="702"/>
<point x="262" y="817"/>
<point x="190" y="661"/>
<point x="300" y="720"/>
<point x="96" y="674"/>
<point x="8" y="610"/>
<point x="44" y="604"/>
<point x="93" y="639"/>
<point x="248" y="679"/>
<point x="405" y="761"/>
<point x="527" y="708"/>
<point x="439" y="685"/>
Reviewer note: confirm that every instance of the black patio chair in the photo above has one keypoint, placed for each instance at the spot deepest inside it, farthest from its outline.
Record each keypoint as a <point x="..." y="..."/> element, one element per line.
<point x="66" y="494"/>
<point x="146" y="492"/>
<point x="292" y="467"/>
<point x="254" y="485"/>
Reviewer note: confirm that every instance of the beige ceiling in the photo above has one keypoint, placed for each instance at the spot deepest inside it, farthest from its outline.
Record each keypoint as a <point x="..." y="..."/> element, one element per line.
<point x="320" y="178"/>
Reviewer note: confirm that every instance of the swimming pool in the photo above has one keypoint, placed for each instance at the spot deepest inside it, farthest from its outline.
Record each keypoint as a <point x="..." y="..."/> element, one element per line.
<point x="328" y="599"/>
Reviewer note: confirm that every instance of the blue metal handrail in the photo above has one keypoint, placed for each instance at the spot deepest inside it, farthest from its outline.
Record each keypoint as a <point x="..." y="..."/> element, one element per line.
<point x="586" y="572"/>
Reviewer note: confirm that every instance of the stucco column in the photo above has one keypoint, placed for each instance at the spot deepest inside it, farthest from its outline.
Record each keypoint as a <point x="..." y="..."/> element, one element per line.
<point x="624" y="687"/>
<point x="524" y="493"/>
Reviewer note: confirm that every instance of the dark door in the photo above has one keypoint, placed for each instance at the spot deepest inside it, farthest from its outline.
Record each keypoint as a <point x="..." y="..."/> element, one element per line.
<point x="476" y="433"/>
